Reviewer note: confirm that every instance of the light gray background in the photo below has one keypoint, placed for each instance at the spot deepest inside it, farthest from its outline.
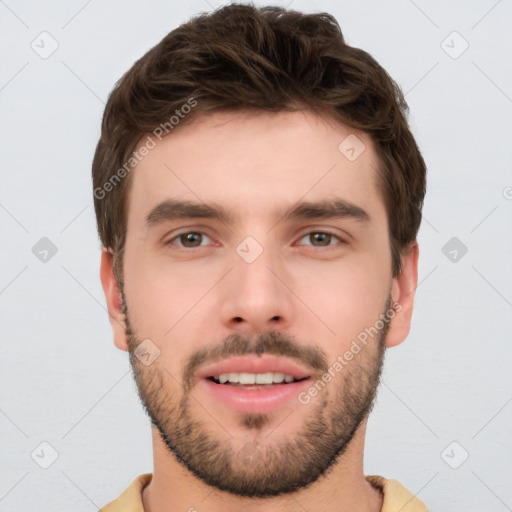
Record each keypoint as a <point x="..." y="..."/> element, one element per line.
<point x="62" y="379"/>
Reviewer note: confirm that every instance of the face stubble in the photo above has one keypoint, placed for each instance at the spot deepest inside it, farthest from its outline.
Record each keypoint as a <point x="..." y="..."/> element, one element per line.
<point x="257" y="470"/>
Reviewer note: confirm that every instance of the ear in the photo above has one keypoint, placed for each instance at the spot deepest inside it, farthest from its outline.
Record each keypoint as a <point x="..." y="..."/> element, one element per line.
<point x="402" y="293"/>
<point x="113" y="297"/>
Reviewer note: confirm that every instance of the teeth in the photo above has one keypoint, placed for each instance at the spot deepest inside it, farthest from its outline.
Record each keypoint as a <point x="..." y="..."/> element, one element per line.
<point x="264" y="378"/>
<point x="247" y="378"/>
<point x="253" y="378"/>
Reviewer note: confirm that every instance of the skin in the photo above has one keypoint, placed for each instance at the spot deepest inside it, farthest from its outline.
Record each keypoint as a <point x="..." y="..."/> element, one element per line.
<point x="187" y="299"/>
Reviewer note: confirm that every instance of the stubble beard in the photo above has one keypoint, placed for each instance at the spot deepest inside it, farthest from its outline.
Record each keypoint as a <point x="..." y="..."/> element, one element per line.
<point x="260" y="468"/>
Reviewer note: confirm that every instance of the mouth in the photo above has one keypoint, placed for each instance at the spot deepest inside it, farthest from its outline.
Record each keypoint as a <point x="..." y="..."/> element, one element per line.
<point x="254" y="380"/>
<point x="253" y="384"/>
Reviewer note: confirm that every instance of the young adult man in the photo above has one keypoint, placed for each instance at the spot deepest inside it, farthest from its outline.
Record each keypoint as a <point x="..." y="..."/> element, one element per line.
<point x="258" y="194"/>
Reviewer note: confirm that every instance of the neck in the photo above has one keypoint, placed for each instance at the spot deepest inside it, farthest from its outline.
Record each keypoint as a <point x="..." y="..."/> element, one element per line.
<point x="344" y="487"/>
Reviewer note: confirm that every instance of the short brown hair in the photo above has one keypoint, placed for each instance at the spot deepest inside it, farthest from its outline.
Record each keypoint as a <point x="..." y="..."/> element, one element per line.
<point x="240" y="57"/>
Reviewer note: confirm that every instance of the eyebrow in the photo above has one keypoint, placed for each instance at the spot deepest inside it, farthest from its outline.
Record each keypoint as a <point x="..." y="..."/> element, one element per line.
<point x="172" y="209"/>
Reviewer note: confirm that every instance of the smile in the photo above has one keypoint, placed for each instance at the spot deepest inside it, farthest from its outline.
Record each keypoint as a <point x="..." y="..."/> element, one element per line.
<point x="252" y="384"/>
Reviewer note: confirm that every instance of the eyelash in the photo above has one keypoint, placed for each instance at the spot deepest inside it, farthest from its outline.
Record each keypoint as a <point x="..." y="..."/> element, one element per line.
<point x="188" y="249"/>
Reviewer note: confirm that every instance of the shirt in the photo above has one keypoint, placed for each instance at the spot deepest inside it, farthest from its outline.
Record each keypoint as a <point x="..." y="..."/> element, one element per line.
<point x="396" y="497"/>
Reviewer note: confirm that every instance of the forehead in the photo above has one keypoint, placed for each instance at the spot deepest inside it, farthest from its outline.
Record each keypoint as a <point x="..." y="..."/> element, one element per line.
<point x="257" y="164"/>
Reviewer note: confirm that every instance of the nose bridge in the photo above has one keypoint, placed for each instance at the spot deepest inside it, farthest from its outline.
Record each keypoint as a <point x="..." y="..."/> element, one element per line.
<point x="254" y="263"/>
<point x="256" y="296"/>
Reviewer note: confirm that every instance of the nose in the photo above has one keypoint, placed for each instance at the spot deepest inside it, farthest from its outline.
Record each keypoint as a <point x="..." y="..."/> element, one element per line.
<point x="256" y="297"/>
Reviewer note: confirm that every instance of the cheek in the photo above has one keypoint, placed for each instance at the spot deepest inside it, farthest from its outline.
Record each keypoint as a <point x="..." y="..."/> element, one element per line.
<point x="163" y="298"/>
<point x="347" y="298"/>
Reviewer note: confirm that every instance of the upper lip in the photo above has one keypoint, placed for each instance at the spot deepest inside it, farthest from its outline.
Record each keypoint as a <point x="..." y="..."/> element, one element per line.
<point x="255" y="364"/>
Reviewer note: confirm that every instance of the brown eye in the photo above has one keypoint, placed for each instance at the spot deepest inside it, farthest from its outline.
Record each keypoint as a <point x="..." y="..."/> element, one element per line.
<point x="188" y="240"/>
<point x="321" y="238"/>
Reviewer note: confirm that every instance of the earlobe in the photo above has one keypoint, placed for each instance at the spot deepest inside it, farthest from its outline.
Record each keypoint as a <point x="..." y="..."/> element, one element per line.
<point x="402" y="294"/>
<point x="113" y="298"/>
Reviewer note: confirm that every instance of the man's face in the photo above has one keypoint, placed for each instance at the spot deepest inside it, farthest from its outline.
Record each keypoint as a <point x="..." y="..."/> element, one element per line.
<point x="288" y="292"/>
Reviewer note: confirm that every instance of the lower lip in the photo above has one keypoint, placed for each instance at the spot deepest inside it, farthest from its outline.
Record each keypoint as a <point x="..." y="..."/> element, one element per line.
<point x="262" y="400"/>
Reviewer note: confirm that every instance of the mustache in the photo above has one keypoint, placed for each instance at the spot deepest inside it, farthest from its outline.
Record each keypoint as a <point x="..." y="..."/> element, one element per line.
<point x="271" y="342"/>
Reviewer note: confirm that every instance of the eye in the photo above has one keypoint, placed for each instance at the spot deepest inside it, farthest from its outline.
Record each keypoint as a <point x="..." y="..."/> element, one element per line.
<point x="194" y="239"/>
<point x="323" y="238"/>
<point x="188" y="239"/>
